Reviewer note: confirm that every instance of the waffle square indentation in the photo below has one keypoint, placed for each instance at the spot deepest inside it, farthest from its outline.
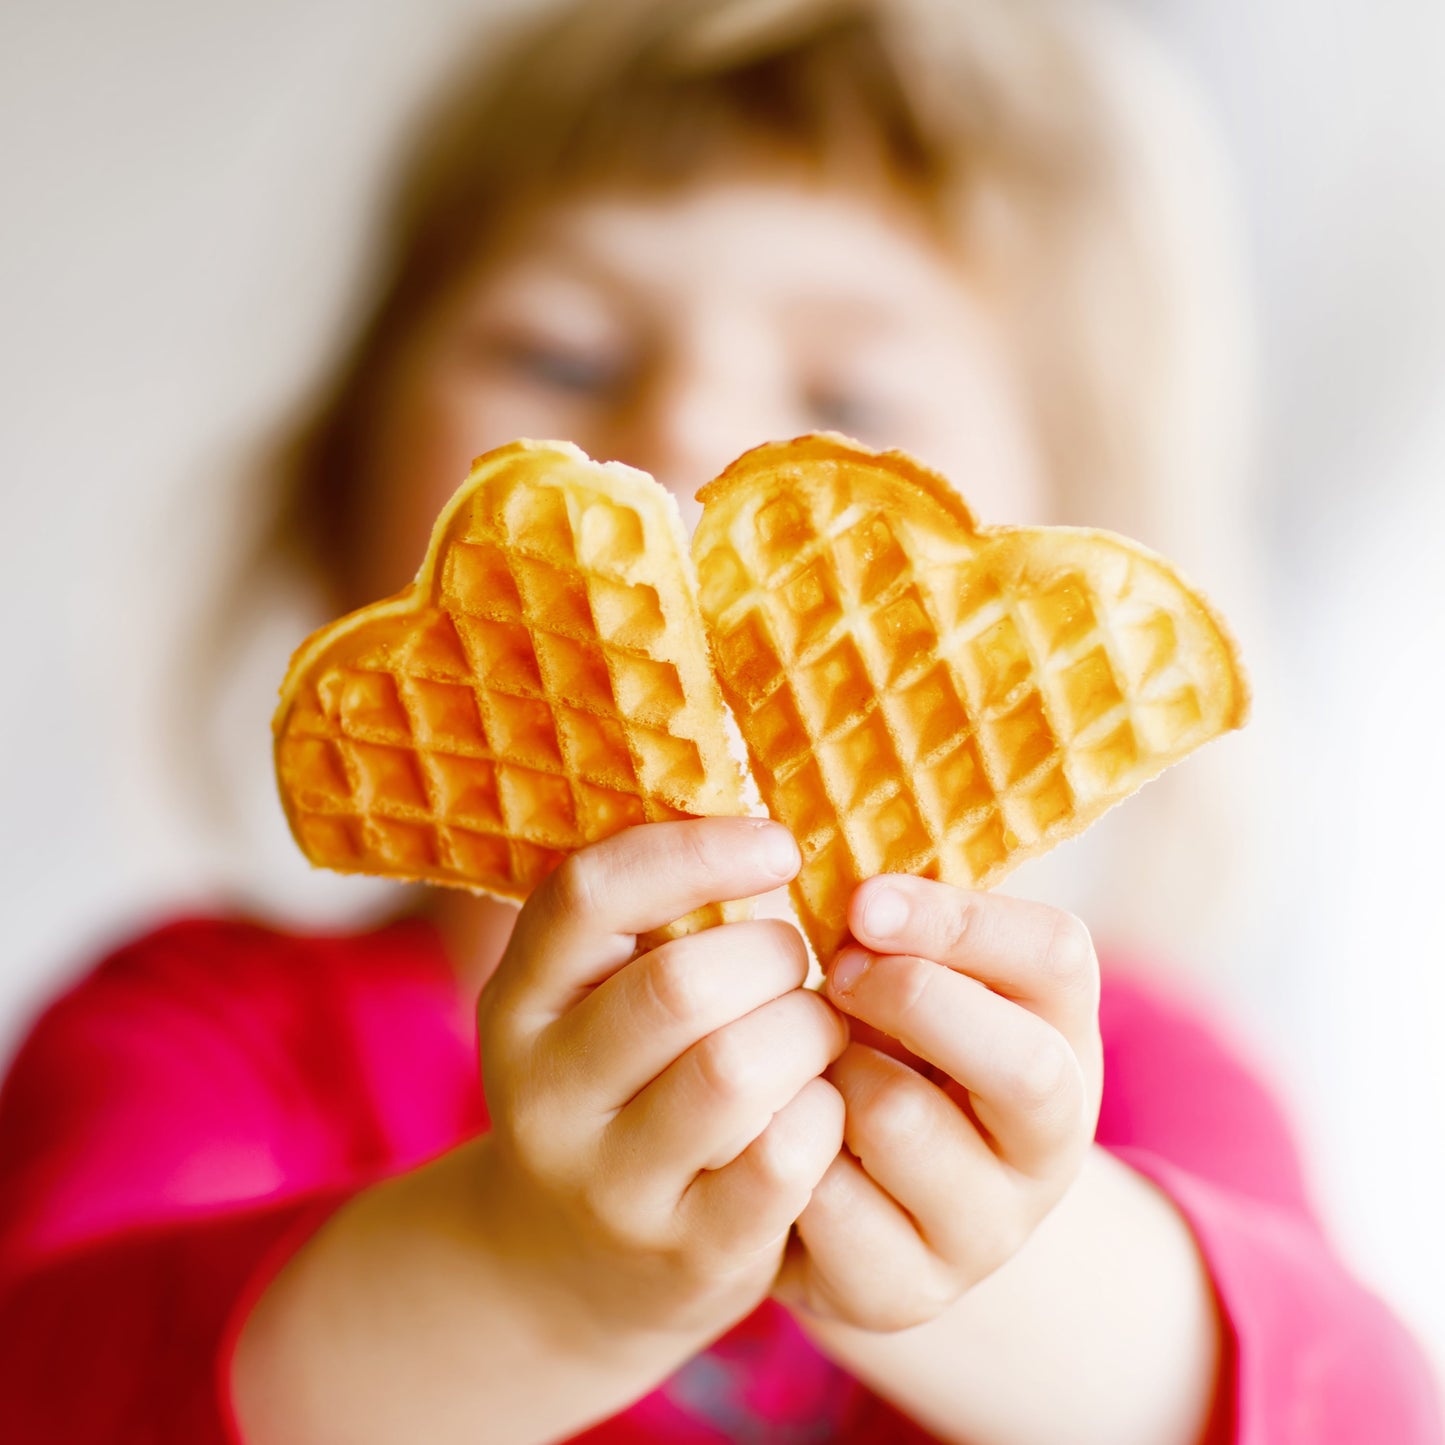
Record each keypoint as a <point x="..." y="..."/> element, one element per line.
<point x="482" y="856"/>
<point x="1050" y="801"/>
<point x="477" y="581"/>
<point x="521" y="730"/>
<point x="1169" y="722"/>
<point x="531" y="864"/>
<point x="628" y="614"/>
<point x="826" y="877"/>
<point x="1147" y="648"/>
<point x="999" y="663"/>
<point x="595" y="747"/>
<point x="747" y="660"/>
<point x="834" y="688"/>
<point x="502" y="655"/>
<point x="1088" y="691"/>
<point x="722" y="579"/>
<point x="446" y="715"/>
<point x="955" y="786"/>
<point x="317" y="772"/>
<point x="333" y="841"/>
<point x="857" y="760"/>
<point x="889" y="835"/>
<point x="668" y="765"/>
<point x="870" y="558"/>
<point x="537" y="519"/>
<point x="401" y="844"/>
<point x="783" y="530"/>
<point x="575" y="672"/>
<point x="928" y="713"/>
<point x="1099" y="768"/>
<point x="435" y="650"/>
<point x="370" y="707"/>
<point x="801" y="802"/>
<point x="609" y="537"/>
<point x="555" y="601"/>
<point x="1020" y="739"/>
<point x="388" y="777"/>
<point x="905" y="634"/>
<point x="811" y="606"/>
<point x="1064" y="613"/>
<point x="978" y="851"/>
<point x="466" y="790"/>
<point x="537" y="805"/>
<point x="776" y="725"/>
<point x="647" y="690"/>
<point x="606" y="810"/>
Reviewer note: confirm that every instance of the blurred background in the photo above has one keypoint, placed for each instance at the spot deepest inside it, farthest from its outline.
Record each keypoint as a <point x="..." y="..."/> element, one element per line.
<point x="187" y="196"/>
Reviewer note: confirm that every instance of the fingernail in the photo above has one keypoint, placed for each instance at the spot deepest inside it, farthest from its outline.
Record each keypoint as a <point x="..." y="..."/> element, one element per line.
<point x="885" y="912"/>
<point x="848" y="968"/>
<point x="778" y="852"/>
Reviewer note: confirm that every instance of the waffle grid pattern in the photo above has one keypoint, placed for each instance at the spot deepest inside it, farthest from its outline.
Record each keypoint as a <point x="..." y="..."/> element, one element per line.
<point x="555" y="693"/>
<point x="938" y="709"/>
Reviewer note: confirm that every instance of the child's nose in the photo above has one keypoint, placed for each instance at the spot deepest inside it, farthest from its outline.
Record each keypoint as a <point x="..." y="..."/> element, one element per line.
<point x="694" y="416"/>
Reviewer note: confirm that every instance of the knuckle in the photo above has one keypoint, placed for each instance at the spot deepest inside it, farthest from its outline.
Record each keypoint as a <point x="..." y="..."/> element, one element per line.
<point x="692" y="847"/>
<point x="574" y="883"/>
<point x="1069" y="955"/>
<point x="1040" y="1073"/>
<point x="908" y="983"/>
<point x="924" y="1301"/>
<point x="728" y="1064"/>
<point x="783" y="940"/>
<point x="486" y="1012"/>
<point x="955" y="922"/>
<point x="1005" y="1240"/>
<point x="780" y="1161"/>
<point x="596" y="1204"/>
<point x="893" y="1111"/>
<point x="604" y="1205"/>
<point x="820" y="1023"/>
<point x="540" y="1150"/>
<point x="674" y="988"/>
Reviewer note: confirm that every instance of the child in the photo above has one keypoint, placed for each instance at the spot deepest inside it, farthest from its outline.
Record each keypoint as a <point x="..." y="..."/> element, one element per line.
<point x="251" y="1190"/>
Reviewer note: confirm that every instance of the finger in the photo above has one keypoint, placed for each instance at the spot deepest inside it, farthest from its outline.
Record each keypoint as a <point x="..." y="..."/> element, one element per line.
<point x="751" y="1203"/>
<point x="635" y="1024"/>
<point x="581" y="923"/>
<point x="1025" y="1084"/>
<point x="917" y="1145"/>
<point x="722" y="1093"/>
<point x="863" y="1260"/>
<point x="1038" y="955"/>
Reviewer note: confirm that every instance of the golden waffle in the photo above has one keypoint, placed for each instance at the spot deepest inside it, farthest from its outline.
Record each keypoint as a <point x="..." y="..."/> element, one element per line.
<point x="542" y="684"/>
<point x="922" y="695"/>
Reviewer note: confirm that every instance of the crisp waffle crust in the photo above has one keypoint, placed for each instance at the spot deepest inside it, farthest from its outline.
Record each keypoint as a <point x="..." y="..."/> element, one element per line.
<point x="919" y="694"/>
<point x="542" y="684"/>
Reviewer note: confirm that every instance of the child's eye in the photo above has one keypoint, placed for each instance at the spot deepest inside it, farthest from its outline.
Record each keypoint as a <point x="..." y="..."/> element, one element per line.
<point x="557" y="366"/>
<point x="836" y="409"/>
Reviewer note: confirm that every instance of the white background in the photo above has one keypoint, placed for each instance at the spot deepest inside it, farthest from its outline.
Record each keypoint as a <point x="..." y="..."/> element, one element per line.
<point x="186" y="192"/>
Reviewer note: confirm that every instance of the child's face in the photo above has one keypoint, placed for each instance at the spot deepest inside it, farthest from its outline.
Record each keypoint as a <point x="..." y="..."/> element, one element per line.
<point x="674" y="332"/>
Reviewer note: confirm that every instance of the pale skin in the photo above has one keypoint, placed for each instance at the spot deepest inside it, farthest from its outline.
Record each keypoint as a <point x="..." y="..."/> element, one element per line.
<point x="904" y="1159"/>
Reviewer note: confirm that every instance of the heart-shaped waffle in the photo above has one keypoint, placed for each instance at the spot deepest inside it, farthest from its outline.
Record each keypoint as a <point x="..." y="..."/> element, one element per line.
<point x="922" y="695"/>
<point x="542" y="684"/>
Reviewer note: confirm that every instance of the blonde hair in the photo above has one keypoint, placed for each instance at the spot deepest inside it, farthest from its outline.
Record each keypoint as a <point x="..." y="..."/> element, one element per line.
<point x="1043" y="138"/>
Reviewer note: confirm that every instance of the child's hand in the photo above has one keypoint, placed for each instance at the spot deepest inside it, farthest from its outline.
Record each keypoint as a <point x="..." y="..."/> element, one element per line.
<point x="659" y="1123"/>
<point x="948" y="1170"/>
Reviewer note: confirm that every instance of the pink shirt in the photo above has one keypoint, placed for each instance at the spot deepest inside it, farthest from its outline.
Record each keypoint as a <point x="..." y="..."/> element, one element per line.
<point x="179" y="1122"/>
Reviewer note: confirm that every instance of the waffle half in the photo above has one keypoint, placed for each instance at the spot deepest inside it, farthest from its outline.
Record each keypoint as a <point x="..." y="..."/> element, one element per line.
<point x="542" y="684"/>
<point x="919" y="694"/>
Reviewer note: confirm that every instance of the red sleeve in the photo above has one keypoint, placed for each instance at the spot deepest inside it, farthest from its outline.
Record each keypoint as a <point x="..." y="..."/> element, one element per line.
<point x="1314" y="1357"/>
<point x="126" y="1250"/>
<point x="129" y="1338"/>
